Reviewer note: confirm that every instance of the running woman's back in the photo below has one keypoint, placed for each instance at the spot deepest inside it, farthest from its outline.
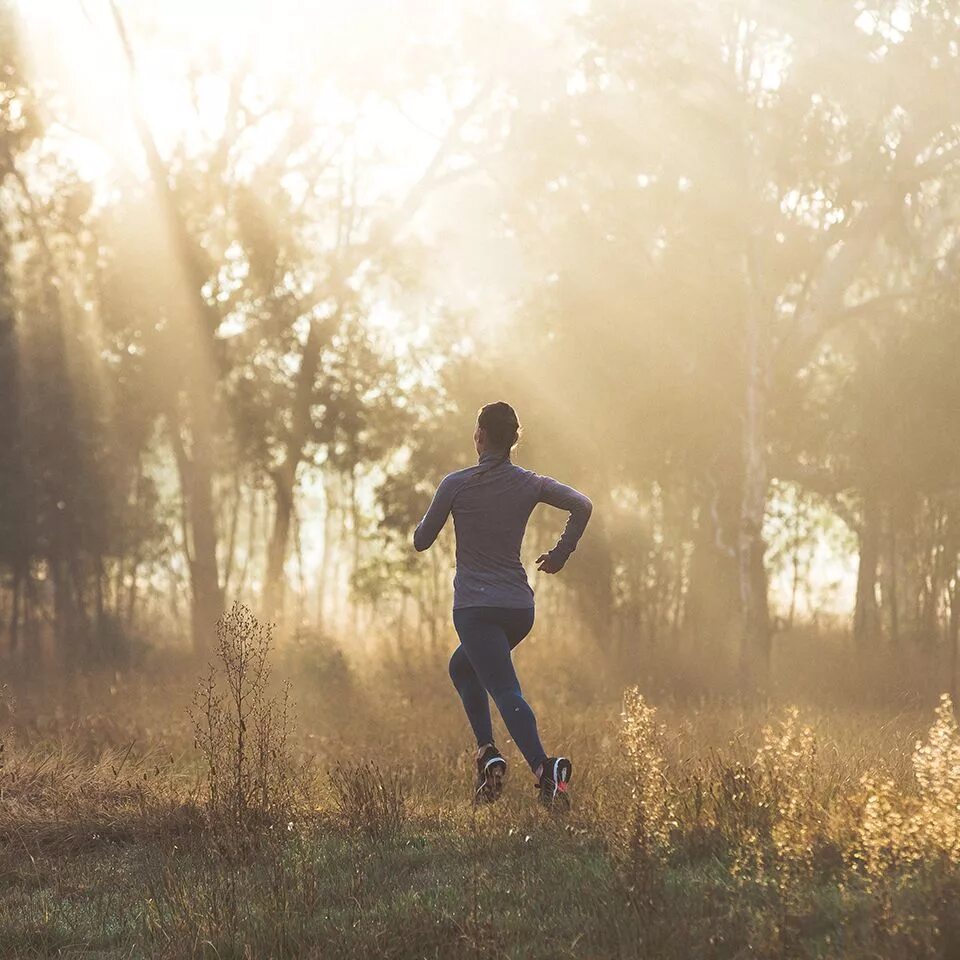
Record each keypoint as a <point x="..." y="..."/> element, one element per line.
<point x="493" y="608"/>
<point x="491" y="504"/>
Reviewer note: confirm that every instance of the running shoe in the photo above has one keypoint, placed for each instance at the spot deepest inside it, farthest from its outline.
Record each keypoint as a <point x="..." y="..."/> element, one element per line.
<point x="491" y="772"/>
<point x="554" y="781"/>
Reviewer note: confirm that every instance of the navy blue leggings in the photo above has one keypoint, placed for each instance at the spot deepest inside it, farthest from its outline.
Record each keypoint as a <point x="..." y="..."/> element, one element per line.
<point x="482" y="665"/>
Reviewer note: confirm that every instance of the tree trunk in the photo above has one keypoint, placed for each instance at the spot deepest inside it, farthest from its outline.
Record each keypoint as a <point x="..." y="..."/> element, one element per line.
<point x="324" y="581"/>
<point x="15" y="610"/>
<point x="891" y="598"/>
<point x="199" y="527"/>
<point x="795" y="562"/>
<point x="204" y="572"/>
<point x="231" y="555"/>
<point x="755" y="638"/>
<point x="865" y="619"/>
<point x="713" y="598"/>
<point x="64" y="633"/>
<point x="355" y="548"/>
<point x="99" y="575"/>
<point x="756" y="635"/>
<point x="131" y="597"/>
<point x="953" y="628"/>
<point x="275" y="585"/>
<point x="931" y="579"/>
<point x="285" y="477"/>
<point x="195" y="336"/>
<point x="590" y="577"/>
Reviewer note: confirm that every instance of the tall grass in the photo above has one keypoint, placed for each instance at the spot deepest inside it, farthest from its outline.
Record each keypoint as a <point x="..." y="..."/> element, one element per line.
<point x="368" y="798"/>
<point x="242" y="732"/>
<point x="709" y="831"/>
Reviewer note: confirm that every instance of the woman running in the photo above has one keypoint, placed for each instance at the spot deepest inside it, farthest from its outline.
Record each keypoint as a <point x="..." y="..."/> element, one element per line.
<point x="493" y="606"/>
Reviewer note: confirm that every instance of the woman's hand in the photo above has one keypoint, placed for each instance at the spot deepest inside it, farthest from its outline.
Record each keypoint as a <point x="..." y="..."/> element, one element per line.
<point x="549" y="564"/>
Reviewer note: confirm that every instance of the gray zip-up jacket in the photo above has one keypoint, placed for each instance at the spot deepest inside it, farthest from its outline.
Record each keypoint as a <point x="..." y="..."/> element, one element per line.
<point x="491" y="503"/>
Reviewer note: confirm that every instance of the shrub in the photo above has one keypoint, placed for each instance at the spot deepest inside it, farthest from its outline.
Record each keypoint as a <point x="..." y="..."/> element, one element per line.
<point x="242" y="732"/>
<point x="936" y="765"/>
<point x="898" y="832"/>
<point x="651" y="816"/>
<point x="787" y="762"/>
<point x="906" y="847"/>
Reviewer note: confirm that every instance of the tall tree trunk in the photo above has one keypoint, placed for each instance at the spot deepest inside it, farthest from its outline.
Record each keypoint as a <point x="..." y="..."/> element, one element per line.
<point x="712" y="604"/>
<point x="953" y="629"/>
<point x="275" y="585"/>
<point x="195" y="329"/>
<point x="755" y="637"/>
<point x="207" y="591"/>
<point x="99" y="609"/>
<point x="323" y="585"/>
<point x="199" y="529"/>
<point x="15" y="609"/>
<point x="64" y="633"/>
<point x="795" y="562"/>
<point x="355" y="548"/>
<point x="131" y="597"/>
<point x="31" y="626"/>
<point x="231" y="554"/>
<point x="931" y="578"/>
<point x="285" y="476"/>
<point x="591" y="577"/>
<point x="865" y="619"/>
<point x="891" y="598"/>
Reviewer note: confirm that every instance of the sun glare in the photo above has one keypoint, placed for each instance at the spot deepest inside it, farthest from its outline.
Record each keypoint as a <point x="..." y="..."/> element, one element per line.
<point x="187" y="58"/>
<point x="395" y="392"/>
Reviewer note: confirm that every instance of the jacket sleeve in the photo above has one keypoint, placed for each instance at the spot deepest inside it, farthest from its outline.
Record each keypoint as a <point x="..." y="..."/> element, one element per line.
<point x="436" y="516"/>
<point x="559" y="495"/>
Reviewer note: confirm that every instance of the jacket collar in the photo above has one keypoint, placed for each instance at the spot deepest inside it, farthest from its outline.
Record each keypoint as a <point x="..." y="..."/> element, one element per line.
<point x="489" y="455"/>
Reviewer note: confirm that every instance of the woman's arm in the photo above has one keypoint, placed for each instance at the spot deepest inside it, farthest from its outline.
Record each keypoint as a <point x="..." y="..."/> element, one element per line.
<point x="435" y="517"/>
<point x="580" y="507"/>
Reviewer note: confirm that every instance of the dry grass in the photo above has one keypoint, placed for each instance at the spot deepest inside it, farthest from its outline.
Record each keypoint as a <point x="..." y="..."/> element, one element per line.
<point x="242" y="734"/>
<point x="369" y="799"/>
<point x="710" y="830"/>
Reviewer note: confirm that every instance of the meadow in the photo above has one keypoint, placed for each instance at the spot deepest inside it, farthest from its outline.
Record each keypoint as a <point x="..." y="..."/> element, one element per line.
<point x="167" y="812"/>
<point x="264" y="264"/>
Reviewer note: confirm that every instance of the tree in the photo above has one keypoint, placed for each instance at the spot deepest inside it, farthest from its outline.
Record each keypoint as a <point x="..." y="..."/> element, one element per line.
<point x="746" y="205"/>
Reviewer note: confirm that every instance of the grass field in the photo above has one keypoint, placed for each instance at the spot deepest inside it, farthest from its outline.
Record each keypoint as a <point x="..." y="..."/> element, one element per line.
<point x="695" y="831"/>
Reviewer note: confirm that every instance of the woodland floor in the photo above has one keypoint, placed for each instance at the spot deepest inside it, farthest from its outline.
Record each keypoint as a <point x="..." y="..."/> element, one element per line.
<point x="682" y="845"/>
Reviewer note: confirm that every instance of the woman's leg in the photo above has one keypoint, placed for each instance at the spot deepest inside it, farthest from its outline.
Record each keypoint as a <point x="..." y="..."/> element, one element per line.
<point x="516" y="623"/>
<point x="487" y="646"/>
<point x="474" y="697"/>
